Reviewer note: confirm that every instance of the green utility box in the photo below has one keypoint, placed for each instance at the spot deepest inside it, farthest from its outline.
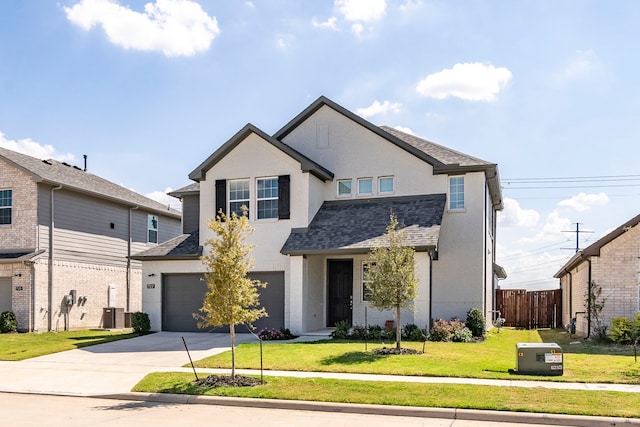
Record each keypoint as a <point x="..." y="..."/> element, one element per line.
<point x="539" y="358"/>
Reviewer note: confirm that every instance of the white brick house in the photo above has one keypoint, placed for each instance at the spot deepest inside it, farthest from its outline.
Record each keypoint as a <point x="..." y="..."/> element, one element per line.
<point x="319" y="193"/>
<point x="65" y="231"/>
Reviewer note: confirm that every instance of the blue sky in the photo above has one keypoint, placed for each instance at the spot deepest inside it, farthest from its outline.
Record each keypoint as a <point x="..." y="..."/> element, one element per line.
<point x="148" y="89"/>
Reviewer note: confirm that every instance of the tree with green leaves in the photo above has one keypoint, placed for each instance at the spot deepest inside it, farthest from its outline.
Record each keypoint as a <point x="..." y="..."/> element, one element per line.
<point x="392" y="283"/>
<point x="232" y="297"/>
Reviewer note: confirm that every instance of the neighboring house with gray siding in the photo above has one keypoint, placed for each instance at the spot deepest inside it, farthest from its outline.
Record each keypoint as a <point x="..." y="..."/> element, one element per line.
<point x="612" y="263"/>
<point x="319" y="194"/>
<point x="63" y="229"/>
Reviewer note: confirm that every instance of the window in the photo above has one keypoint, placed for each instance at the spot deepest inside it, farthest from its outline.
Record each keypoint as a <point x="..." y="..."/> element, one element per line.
<point x="5" y="206"/>
<point x="238" y="196"/>
<point x="456" y="193"/>
<point x="152" y="229"/>
<point x="267" y="189"/>
<point x="365" y="186"/>
<point x="366" y="266"/>
<point x="344" y="187"/>
<point x="385" y="184"/>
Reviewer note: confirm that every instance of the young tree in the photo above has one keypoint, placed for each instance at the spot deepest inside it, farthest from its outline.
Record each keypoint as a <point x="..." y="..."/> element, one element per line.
<point x="232" y="298"/>
<point x="392" y="283"/>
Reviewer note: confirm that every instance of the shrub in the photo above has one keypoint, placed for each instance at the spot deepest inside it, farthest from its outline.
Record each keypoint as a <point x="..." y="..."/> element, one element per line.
<point x="359" y="332"/>
<point x="8" y="322"/>
<point x="412" y="332"/>
<point x="459" y="331"/>
<point x="476" y="323"/>
<point x="375" y="332"/>
<point x="621" y="330"/>
<point x="441" y="331"/>
<point x="342" y="330"/>
<point x="271" y="334"/>
<point x="140" y="322"/>
<point x="388" y="334"/>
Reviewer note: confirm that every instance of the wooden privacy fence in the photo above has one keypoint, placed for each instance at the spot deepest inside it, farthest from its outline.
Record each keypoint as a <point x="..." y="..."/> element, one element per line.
<point x="530" y="310"/>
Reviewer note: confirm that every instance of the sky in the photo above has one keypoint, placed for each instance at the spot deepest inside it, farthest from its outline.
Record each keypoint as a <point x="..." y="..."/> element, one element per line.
<point x="547" y="90"/>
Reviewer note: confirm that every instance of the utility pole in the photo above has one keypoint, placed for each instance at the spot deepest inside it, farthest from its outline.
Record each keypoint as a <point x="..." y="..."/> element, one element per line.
<point x="577" y="231"/>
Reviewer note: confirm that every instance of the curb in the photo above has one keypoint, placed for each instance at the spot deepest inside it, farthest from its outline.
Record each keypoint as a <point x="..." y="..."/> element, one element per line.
<point x="405" y="411"/>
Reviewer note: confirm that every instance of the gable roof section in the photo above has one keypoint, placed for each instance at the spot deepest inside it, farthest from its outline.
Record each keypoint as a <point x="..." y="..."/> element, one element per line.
<point x="57" y="173"/>
<point x="306" y="164"/>
<point x="444" y="160"/>
<point x="594" y="248"/>
<point x="192" y="189"/>
<point x="182" y="247"/>
<point x="356" y="226"/>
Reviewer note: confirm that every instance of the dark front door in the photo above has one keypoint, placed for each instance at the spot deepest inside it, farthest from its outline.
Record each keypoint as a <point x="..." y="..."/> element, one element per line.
<point x="340" y="286"/>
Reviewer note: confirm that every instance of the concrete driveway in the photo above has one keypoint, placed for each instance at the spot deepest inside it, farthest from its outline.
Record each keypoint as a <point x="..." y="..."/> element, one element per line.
<point x="113" y="367"/>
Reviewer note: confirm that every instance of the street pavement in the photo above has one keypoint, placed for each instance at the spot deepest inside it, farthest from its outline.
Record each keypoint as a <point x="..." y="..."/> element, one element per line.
<point x="110" y="370"/>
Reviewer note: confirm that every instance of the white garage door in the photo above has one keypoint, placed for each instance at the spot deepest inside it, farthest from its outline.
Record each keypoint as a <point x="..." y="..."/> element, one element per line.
<point x="5" y="294"/>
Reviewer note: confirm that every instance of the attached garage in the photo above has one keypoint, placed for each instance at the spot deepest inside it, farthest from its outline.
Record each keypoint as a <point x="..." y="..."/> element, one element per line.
<point x="183" y="294"/>
<point x="5" y="294"/>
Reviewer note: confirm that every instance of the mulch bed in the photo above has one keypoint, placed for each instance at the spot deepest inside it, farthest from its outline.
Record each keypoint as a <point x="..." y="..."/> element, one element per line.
<point x="386" y="351"/>
<point x="227" y="381"/>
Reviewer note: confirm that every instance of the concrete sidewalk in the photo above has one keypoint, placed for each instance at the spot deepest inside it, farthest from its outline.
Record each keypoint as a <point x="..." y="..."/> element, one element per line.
<point x="112" y="369"/>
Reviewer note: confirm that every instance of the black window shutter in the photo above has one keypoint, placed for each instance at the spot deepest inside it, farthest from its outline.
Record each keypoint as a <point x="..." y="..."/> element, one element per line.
<point x="221" y="196"/>
<point x="284" y="197"/>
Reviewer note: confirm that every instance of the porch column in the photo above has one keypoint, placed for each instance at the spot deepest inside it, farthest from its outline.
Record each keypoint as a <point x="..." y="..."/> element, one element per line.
<point x="296" y="295"/>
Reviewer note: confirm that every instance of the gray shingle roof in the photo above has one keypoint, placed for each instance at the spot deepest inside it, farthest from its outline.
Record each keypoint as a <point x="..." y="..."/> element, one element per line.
<point x="356" y="226"/>
<point x="56" y="173"/>
<point x="20" y="255"/>
<point x="184" y="246"/>
<point x="187" y="190"/>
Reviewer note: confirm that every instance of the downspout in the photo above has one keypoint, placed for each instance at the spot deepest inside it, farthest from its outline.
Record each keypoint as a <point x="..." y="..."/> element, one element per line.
<point x="51" y="246"/>
<point x="589" y="302"/>
<point x="32" y="300"/>
<point x="430" y="290"/>
<point x="129" y="245"/>
<point x="570" y="294"/>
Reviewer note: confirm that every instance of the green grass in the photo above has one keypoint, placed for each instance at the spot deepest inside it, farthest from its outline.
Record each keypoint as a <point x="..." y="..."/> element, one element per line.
<point x="577" y="402"/>
<point x="494" y="358"/>
<point x="25" y="346"/>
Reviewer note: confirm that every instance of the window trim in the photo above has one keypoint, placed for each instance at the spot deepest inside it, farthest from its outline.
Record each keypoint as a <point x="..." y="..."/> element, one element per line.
<point x="9" y="207"/>
<point x="350" y="181"/>
<point x="150" y="219"/>
<point x="230" y="184"/>
<point x="451" y="193"/>
<point x="393" y="184"/>
<point x="360" y="193"/>
<point x="259" y="199"/>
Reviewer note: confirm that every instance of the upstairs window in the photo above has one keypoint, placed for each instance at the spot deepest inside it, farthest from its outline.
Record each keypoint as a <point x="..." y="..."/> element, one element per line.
<point x="365" y="186"/>
<point x="238" y="196"/>
<point x="267" y="189"/>
<point x="344" y="187"/>
<point x="152" y="229"/>
<point x="456" y="193"/>
<point x="385" y="184"/>
<point x="6" y="204"/>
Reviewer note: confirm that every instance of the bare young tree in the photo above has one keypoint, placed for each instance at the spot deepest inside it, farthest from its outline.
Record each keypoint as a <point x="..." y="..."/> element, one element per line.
<point x="232" y="297"/>
<point x="392" y="283"/>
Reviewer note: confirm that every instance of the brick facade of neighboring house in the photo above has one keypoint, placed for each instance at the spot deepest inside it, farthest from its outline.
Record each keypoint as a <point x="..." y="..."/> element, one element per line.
<point x="319" y="193"/>
<point x="65" y="231"/>
<point x="613" y="263"/>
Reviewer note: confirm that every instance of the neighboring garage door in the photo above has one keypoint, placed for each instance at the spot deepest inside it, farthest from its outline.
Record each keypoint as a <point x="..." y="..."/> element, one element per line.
<point x="183" y="294"/>
<point x="5" y="294"/>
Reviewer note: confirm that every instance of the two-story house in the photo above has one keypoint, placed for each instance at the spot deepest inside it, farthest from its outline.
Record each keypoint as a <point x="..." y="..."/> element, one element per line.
<point x="65" y="239"/>
<point x="319" y="194"/>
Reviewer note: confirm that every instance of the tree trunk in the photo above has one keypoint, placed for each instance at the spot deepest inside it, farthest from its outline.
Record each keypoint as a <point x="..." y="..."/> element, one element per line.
<point x="232" y="334"/>
<point x="398" y="328"/>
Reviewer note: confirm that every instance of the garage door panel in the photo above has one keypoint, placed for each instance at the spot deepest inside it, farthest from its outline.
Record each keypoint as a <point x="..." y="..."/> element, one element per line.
<point x="5" y="294"/>
<point x="183" y="294"/>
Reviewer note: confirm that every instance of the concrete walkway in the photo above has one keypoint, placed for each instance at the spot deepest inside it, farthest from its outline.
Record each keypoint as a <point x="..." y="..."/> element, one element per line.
<point x="112" y="369"/>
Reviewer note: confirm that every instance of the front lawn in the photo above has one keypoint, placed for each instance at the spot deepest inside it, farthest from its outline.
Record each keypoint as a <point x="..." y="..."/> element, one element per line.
<point x="494" y="358"/>
<point x="462" y="396"/>
<point x="25" y="346"/>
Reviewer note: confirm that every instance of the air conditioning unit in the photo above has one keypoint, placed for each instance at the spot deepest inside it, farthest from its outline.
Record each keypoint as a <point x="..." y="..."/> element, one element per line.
<point x="539" y="359"/>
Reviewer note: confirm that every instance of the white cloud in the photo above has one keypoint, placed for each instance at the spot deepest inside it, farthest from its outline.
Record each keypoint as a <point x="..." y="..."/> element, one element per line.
<point x="362" y="10"/>
<point x="410" y="5"/>
<point x="164" y="198"/>
<point x="514" y="216"/>
<point x="330" y="23"/>
<point x="34" y="149"/>
<point x="404" y="129"/>
<point x="379" y="108"/>
<point x="173" y="27"/>
<point x="551" y="231"/>
<point x="583" y="202"/>
<point x="468" y="81"/>
<point x="581" y="64"/>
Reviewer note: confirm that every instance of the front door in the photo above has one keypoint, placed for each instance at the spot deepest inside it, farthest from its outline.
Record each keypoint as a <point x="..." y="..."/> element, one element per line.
<point x="340" y="287"/>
